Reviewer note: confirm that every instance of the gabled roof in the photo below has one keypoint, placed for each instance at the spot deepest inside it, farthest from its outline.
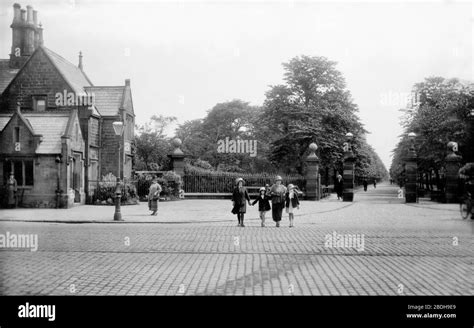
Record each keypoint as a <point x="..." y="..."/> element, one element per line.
<point x="6" y="74"/>
<point x="73" y="75"/>
<point x="108" y="100"/>
<point x="41" y="123"/>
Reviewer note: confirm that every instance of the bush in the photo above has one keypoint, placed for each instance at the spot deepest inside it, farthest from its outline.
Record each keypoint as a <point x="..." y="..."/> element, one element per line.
<point x="106" y="192"/>
<point x="170" y="182"/>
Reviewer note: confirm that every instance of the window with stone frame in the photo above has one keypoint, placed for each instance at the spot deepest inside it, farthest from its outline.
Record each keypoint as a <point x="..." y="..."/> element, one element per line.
<point x="39" y="103"/>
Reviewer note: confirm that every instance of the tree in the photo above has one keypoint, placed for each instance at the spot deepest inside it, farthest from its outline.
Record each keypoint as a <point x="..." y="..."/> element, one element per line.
<point x="313" y="106"/>
<point x="439" y="115"/>
<point x="151" y="145"/>
<point x="233" y="119"/>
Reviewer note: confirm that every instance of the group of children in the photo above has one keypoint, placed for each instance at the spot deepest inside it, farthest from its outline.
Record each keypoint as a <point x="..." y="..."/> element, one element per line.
<point x="267" y="198"/>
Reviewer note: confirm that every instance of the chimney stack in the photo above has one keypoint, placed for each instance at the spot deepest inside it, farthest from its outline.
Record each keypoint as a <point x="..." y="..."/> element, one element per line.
<point x="29" y="41"/>
<point x="17" y="34"/>
<point x="26" y="35"/>
<point x="80" y="61"/>
<point x="35" y="21"/>
<point x="127" y="82"/>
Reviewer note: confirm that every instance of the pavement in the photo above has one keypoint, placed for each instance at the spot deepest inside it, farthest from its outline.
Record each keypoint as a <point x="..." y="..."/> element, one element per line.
<point x="376" y="245"/>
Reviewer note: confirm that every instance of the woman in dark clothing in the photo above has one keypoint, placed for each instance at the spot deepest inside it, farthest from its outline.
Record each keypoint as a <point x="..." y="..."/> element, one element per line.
<point x="239" y="195"/>
<point x="365" y="184"/>
<point x="154" y="196"/>
<point x="263" y="204"/>
<point x="12" y="189"/>
<point x="375" y="183"/>
<point x="277" y="193"/>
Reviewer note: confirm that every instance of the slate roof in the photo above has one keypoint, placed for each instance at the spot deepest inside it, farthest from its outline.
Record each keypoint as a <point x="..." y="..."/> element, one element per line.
<point x="73" y="75"/>
<point x="41" y="124"/>
<point x="6" y="74"/>
<point x="108" y="100"/>
<point x="4" y="118"/>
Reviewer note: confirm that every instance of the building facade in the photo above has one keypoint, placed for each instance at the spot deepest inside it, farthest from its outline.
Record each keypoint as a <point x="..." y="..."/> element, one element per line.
<point x="56" y="132"/>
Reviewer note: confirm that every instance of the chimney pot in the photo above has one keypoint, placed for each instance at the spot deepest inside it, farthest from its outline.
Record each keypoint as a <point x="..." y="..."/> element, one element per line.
<point x="35" y="17"/>
<point x="23" y="15"/>
<point x="29" y="18"/>
<point x="127" y="82"/>
<point x="16" y="13"/>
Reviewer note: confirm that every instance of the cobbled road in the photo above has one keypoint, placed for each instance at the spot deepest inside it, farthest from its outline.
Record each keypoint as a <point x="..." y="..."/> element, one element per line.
<point x="407" y="249"/>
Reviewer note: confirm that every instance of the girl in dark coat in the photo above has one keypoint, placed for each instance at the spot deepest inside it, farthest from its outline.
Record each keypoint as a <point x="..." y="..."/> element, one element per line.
<point x="263" y="204"/>
<point x="239" y="195"/>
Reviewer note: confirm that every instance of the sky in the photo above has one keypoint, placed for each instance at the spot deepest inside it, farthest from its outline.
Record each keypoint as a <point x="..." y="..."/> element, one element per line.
<point x="184" y="57"/>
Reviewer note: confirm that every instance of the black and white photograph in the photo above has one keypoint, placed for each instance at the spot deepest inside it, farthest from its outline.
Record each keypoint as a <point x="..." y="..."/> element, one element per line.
<point x="237" y="148"/>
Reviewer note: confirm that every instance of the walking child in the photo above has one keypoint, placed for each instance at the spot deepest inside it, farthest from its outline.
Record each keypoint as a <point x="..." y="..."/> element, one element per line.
<point x="291" y="202"/>
<point x="263" y="204"/>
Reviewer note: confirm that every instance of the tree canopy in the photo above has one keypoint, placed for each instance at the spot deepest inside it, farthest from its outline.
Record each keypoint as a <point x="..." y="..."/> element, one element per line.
<point x="439" y="115"/>
<point x="313" y="105"/>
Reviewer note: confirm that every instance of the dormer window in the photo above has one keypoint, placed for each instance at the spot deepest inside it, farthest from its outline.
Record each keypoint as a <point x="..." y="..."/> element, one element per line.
<point x="39" y="103"/>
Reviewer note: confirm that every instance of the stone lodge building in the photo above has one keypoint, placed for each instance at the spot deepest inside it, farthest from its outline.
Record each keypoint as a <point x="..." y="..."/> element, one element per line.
<point x="56" y="133"/>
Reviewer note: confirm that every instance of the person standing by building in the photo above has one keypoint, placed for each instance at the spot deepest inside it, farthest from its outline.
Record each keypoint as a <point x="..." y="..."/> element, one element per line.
<point x="239" y="196"/>
<point x="12" y="188"/>
<point x="339" y="186"/>
<point x="263" y="204"/>
<point x="365" y="184"/>
<point x="154" y="196"/>
<point x="277" y="193"/>
<point x="291" y="201"/>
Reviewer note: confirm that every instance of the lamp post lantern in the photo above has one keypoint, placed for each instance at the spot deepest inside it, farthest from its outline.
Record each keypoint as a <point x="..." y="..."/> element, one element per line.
<point x="118" y="129"/>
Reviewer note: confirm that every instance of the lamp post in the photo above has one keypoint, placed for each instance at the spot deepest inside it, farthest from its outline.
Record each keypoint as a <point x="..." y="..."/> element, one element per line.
<point x="58" y="181"/>
<point x="411" y="168"/>
<point x="118" y="128"/>
<point x="348" y="173"/>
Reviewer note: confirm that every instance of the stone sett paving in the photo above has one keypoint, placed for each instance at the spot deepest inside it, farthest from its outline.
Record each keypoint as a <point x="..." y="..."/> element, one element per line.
<point x="419" y="249"/>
